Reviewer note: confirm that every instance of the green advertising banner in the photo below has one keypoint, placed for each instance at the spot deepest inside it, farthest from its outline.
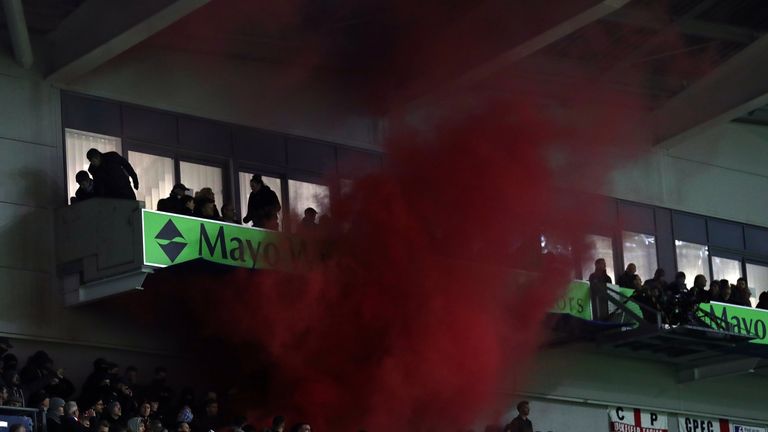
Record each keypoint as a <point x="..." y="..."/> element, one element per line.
<point x="744" y="320"/>
<point x="170" y="239"/>
<point x="575" y="301"/>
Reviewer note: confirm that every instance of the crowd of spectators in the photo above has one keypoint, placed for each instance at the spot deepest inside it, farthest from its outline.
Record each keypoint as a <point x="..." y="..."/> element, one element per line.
<point x="110" y="175"/>
<point x="659" y="295"/>
<point x="111" y="400"/>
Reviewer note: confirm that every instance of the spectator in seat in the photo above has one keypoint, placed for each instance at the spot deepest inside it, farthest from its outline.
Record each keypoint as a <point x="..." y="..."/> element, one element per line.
<point x="742" y="294"/>
<point x="278" y="424"/>
<point x="183" y="427"/>
<point x="762" y="301"/>
<point x="308" y="225"/>
<point x="39" y="400"/>
<point x="699" y="289"/>
<point x="70" y="422"/>
<point x="155" y="426"/>
<point x="301" y="427"/>
<point x="263" y="205"/>
<point x="114" y="415"/>
<point x="135" y="425"/>
<point x="627" y="279"/>
<point x="521" y="423"/>
<point x="637" y="282"/>
<point x="86" y="189"/>
<point x="145" y="411"/>
<point x="173" y="202"/>
<point x="210" y="421"/>
<point x="159" y="390"/>
<point x="187" y="206"/>
<point x="714" y="291"/>
<point x="726" y="292"/>
<point x="678" y="286"/>
<point x="598" y="289"/>
<point x="110" y="171"/>
<point x="12" y="379"/>
<point x="206" y="195"/>
<point x="228" y="213"/>
<point x="102" y="426"/>
<point x="206" y="208"/>
<point x="658" y="280"/>
<point x="54" y="414"/>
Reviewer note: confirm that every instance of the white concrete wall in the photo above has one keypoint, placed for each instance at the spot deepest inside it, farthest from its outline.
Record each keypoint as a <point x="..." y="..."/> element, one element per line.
<point x="721" y="173"/>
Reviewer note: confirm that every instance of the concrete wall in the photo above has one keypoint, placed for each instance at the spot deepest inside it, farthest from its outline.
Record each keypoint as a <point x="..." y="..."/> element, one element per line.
<point x="721" y="173"/>
<point x="31" y="165"/>
<point x="586" y="375"/>
<point x="244" y="92"/>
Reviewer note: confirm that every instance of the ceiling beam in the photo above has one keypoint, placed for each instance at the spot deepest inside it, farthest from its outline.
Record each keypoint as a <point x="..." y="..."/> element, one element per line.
<point x="99" y="30"/>
<point x="553" y="34"/>
<point x="689" y="26"/>
<point x="736" y="87"/>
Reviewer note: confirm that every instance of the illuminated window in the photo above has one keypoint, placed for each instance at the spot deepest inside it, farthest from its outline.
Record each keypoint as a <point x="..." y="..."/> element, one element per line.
<point x="598" y="247"/>
<point x="77" y="144"/>
<point x="196" y="177"/>
<point x="155" y="177"/>
<point x="244" y="179"/>
<point x="302" y="195"/>
<point x="726" y="268"/>
<point x="692" y="259"/>
<point x="640" y="249"/>
<point x="757" y="279"/>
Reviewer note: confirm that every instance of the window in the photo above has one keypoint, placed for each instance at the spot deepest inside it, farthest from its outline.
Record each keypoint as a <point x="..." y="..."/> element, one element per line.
<point x="196" y="177"/>
<point x="156" y="177"/>
<point x="726" y="268"/>
<point x="641" y="250"/>
<point x="692" y="259"/>
<point x="302" y="195"/>
<point x="757" y="279"/>
<point x="552" y="244"/>
<point x="245" y="190"/>
<point x="77" y="144"/>
<point x="598" y="247"/>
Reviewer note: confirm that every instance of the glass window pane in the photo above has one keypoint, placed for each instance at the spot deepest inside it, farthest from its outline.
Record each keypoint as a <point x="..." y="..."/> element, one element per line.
<point x="155" y="177"/>
<point x="302" y="195"/>
<point x="641" y="250"/>
<point x="245" y="190"/>
<point x="598" y="247"/>
<point x="692" y="259"/>
<point x="725" y="268"/>
<point x="757" y="280"/>
<point x="196" y="177"/>
<point x="77" y="143"/>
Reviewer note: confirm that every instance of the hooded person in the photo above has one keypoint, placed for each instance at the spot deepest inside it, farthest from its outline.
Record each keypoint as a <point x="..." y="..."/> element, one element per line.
<point x="135" y="424"/>
<point x="173" y="203"/>
<point x="12" y="379"/>
<point x="54" y="414"/>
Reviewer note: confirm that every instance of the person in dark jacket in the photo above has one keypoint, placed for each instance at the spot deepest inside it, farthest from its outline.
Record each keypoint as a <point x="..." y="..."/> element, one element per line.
<point x="187" y="206"/>
<point x="699" y="289"/>
<point x="626" y="279"/>
<point x="598" y="289"/>
<point x="762" y="302"/>
<point x="521" y="423"/>
<point x="110" y="172"/>
<point x="86" y="189"/>
<point x="742" y="294"/>
<point x="263" y="205"/>
<point x="173" y="203"/>
<point x="70" y="422"/>
<point x="54" y="414"/>
<point x="203" y="197"/>
<point x="658" y="280"/>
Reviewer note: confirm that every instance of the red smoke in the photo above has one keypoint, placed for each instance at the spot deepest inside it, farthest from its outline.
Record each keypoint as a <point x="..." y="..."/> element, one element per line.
<point x="423" y="311"/>
<point x="436" y="287"/>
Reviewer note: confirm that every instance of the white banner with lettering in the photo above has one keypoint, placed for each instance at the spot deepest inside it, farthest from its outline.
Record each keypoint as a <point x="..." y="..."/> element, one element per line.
<point x="706" y="424"/>
<point x="623" y="419"/>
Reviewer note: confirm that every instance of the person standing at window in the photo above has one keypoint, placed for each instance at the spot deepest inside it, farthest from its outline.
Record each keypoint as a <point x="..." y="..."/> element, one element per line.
<point x="110" y="171"/>
<point x="598" y="289"/>
<point x="87" y="189"/>
<point x="263" y="205"/>
<point x="627" y="279"/>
